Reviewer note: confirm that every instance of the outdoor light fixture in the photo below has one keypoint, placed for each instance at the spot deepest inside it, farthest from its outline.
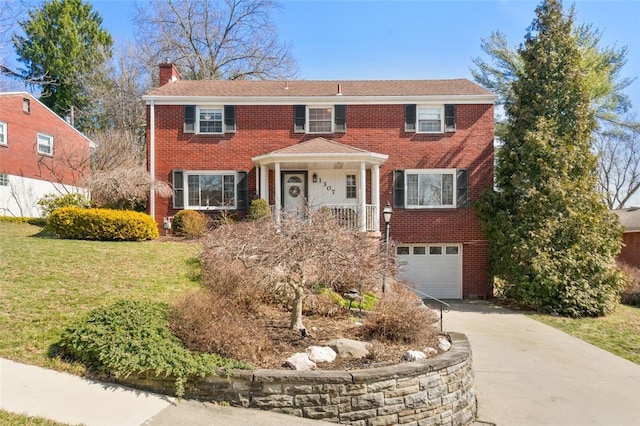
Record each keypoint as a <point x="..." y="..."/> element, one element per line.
<point x="387" y="212"/>
<point x="315" y="177"/>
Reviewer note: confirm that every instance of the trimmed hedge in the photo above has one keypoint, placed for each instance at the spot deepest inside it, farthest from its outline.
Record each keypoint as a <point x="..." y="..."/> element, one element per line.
<point x="258" y="209"/>
<point x="189" y="223"/>
<point x="102" y="224"/>
<point x="37" y="221"/>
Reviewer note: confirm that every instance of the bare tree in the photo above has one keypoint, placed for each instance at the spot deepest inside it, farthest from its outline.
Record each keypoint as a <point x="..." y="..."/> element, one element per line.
<point x="119" y="176"/>
<point x="298" y="253"/>
<point x="618" y="150"/>
<point x="209" y="39"/>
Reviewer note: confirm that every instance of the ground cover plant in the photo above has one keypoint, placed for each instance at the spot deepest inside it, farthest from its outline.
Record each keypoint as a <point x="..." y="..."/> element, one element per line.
<point x="13" y="419"/>
<point x="48" y="283"/>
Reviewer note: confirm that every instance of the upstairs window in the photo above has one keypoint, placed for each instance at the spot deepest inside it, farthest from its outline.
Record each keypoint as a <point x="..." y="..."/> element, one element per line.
<point x="209" y="119"/>
<point x="430" y="118"/>
<point x="320" y="119"/>
<point x="3" y="133"/>
<point x="45" y="144"/>
<point x="26" y="105"/>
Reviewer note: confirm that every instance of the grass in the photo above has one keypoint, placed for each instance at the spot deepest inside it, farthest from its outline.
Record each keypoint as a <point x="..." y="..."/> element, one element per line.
<point x="618" y="332"/>
<point x="46" y="283"/>
<point x="12" y="419"/>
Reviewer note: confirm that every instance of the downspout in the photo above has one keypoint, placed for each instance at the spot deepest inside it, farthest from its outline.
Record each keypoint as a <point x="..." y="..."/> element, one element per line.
<point x="152" y="159"/>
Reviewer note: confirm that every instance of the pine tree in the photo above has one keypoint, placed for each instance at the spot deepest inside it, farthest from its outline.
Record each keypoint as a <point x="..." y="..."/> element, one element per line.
<point x="63" y="40"/>
<point x="552" y="241"/>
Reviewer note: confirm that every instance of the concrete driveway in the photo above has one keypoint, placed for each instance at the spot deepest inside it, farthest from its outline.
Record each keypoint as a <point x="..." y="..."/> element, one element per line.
<point x="527" y="373"/>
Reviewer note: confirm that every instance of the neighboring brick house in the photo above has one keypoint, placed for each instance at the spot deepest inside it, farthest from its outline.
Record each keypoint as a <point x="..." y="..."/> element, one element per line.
<point x="630" y="221"/>
<point x="425" y="147"/>
<point x="40" y="153"/>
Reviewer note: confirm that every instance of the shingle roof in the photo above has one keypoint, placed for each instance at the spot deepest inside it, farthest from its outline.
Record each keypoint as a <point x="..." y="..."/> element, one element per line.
<point x="319" y="146"/>
<point x="629" y="218"/>
<point x="245" y="88"/>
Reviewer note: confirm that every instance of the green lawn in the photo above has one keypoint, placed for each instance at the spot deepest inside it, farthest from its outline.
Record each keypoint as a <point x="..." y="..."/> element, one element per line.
<point x="7" y="418"/>
<point x="46" y="283"/>
<point x="618" y="332"/>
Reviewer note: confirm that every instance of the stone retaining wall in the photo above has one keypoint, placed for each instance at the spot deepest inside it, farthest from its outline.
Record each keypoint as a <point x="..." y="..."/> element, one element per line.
<point x="436" y="391"/>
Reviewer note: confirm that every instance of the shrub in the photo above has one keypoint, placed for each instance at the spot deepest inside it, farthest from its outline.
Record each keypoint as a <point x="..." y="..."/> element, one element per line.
<point x="189" y="223"/>
<point x="631" y="293"/>
<point x="400" y="317"/>
<point x="102" y="224"/>
<point x="50" y="202"/>
<point x="258" y="209"/>
<point x="208" y="322"/>
<point x="37" y="221"/>
<point x="131" y="337"/>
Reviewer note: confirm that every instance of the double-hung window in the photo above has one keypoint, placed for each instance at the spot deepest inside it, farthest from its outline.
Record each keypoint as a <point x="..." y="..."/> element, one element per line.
<point x="45" y="144"/>
<point x="211" y="190"/>
<point x="3" y="133"/>
<point x="429" y="119"/>
<point x="320" y="120"/>
<point x="351" y="187"/>
<point x="212" y="120"/>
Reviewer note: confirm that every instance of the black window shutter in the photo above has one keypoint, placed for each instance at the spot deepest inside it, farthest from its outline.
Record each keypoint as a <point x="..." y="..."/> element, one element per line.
<point x="300" y="118"/>
<point x="229" y="118"/>
<point x="410" y="118"/>
<point x="341" y="119"/>
<point x="178" y="188"/>
<point x="189" y="118"/>
<point x="398" y="189"/>
<point x="242" y="188"/>
<point x="449" y="118"/>
<point x="462" y="188"/>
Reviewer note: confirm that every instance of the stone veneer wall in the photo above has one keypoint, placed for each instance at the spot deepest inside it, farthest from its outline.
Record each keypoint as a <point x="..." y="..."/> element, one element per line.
<point x="436" y="391"/>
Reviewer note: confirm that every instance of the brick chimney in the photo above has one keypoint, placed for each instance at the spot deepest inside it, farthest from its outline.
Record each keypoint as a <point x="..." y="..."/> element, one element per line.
<point x="168" y="73"/>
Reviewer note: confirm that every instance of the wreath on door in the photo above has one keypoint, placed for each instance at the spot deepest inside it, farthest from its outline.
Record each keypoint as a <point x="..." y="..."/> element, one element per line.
<point x="294" y="191"/>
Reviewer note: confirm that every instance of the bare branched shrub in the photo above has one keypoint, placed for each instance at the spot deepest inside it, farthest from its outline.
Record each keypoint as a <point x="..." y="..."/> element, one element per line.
<point x="400" y="317"/>
<point x="208" y="322"/>
<point x="631" y="293"/>
<point x="298" y="253"/>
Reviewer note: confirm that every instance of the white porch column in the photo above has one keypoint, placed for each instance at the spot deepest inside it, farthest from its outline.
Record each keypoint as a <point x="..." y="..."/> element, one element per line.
<point x="276" y="188"/>
<point x="264" y="183"/>
<point x="152" y="158"/>
<point x="363" y="197"/>
<point x="375" y="195"/>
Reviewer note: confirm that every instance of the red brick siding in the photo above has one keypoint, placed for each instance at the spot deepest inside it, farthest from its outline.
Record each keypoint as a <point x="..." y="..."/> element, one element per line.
<point x="20" y="156"/>
<point x="630" y="253"/>
<point x="377" y="128"/>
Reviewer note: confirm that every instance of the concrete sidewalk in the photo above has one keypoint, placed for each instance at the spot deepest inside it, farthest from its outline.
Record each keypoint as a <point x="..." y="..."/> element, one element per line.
<point x="527" y="373"/>
<point x="35" y="391"/>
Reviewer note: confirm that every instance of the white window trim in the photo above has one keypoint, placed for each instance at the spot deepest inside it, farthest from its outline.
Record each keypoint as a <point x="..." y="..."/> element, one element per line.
<point x="50" y="144"/>
<point x="452" y="172"/>
<point x="308" y="120"/>
<point x="5" y="133"/>
<point x="197" y="123"/>
<point x="185" y="184"/>
<point x="439" y="106"/>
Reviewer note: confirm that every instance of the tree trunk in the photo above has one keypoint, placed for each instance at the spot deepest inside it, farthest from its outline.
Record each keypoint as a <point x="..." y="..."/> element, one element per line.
<point x="296" y="312"/>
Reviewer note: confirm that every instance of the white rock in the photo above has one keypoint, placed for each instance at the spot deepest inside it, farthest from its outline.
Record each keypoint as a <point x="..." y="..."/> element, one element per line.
<point x="347" y="348"/>
<point x="414" y="355"/>
<point x="300" y="361"/>
<point x="321" y="354"/>
<point x="444" y="344"/>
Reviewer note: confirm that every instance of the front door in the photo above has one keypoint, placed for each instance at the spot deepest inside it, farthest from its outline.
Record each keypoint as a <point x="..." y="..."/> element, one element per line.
<point x="294" y="191"/>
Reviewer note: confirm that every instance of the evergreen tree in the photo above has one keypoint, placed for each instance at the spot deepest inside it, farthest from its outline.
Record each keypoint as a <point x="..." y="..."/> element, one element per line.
<point x="552" y="241"/>
<point x="63" y="40"/>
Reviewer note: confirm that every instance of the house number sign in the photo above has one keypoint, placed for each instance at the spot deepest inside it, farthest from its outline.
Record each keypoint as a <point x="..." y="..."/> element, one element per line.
<point x="327" y="187"/>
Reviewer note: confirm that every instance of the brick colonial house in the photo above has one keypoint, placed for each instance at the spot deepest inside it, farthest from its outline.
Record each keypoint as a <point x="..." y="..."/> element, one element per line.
<point x="40" y="154"/>
<point x="425" y="147"/>
<point x="630" y="221"/>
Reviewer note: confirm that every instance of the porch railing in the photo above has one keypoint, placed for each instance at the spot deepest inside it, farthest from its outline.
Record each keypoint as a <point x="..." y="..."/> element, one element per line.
<point x="349" y="215"/>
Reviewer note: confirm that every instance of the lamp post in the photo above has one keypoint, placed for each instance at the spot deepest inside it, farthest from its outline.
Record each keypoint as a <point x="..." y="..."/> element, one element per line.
<point x="386" y="214"/>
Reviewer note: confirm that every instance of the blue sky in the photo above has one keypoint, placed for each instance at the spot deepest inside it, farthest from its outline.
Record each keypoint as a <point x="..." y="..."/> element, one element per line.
<point x="419" y="39"/>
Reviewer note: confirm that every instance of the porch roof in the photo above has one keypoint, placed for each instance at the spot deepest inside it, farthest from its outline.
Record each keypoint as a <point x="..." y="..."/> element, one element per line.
<point x="319" y="153"/>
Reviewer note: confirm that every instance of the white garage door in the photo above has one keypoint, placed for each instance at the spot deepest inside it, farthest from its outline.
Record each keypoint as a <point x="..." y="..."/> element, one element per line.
<point x="434" y="269"/>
